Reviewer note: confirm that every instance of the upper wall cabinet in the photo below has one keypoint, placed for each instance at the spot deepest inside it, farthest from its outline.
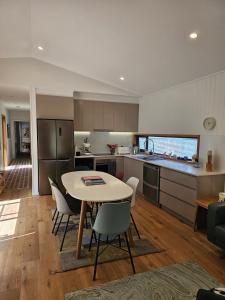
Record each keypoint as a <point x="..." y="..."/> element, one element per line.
<point x="54" y="107"/>
<point x="105" y="116"/>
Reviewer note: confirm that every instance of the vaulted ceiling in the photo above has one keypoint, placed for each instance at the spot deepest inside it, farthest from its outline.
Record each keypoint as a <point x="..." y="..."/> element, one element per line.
<point x="15" y="97"/>
<point x="146" y="41"/>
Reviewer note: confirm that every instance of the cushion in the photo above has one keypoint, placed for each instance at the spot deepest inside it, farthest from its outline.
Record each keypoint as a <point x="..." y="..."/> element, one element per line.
<point x="220" y="233"/>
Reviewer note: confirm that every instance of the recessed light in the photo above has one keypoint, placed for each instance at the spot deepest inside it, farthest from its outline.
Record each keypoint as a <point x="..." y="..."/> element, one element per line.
<point x="40" y="48"/>
<point x="122" y="78"/>
<point x="193" y="35"/>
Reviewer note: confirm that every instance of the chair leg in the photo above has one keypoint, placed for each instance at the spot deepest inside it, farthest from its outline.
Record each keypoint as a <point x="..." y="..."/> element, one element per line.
<point x="95" y="237"/>
<point x="53" y="228"/>
<point x="96" y="257"/>
<point x="53" y="217"/>
<point x="135" y="226"/>
<point x="86" y="223"/>
<point x="131" y="258"/>
<point x="90" y="244"/>
<point x="59" y="224"/>
<point x="119" y="240"/>
<point x="67" y="223"/>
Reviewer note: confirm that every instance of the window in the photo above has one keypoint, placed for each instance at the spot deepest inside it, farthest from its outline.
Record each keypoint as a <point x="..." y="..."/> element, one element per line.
<point x="142" y="143"/>
<point x="180" y="147"/>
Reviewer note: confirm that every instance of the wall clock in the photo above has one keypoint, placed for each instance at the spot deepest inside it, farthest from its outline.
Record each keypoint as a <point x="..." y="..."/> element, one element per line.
<point x="209" y="123"/>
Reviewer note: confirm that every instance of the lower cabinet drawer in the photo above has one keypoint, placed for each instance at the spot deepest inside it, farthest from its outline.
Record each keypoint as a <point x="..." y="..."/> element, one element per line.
<point x="179" y="207"/>
<point x="178" y="191"/>
<point x="180" y="178"/>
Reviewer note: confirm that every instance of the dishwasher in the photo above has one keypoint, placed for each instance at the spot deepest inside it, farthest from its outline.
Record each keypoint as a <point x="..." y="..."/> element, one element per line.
<point x="151" y="183"/>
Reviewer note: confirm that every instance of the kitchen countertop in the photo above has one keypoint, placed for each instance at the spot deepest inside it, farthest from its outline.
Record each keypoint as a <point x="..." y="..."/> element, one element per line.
<point x="165" y="163"/>
<point x="109" y="156"/>
<point x="178" y="166"/>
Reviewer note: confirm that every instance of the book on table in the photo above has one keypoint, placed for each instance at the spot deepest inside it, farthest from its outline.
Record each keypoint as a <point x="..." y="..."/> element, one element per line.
<point x="92" y="180"/>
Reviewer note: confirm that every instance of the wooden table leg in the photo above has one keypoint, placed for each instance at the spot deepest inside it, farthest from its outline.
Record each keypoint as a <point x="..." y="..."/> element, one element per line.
<point x="130" y="237"/>
<point x="81" y="227"/>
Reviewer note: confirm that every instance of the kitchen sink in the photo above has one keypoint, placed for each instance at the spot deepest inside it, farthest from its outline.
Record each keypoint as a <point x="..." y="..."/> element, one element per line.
<point x="149" y="157"/>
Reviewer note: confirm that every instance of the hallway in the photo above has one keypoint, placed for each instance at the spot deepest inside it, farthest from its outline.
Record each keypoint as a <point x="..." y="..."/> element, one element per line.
<point x="18" y="179"/>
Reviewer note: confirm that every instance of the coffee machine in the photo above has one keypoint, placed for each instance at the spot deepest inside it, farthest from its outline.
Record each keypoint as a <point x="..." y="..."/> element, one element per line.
<point x="86" y="147"/>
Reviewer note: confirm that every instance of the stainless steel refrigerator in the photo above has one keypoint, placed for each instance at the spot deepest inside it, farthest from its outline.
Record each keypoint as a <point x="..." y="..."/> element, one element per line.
<point x="55" y="151"/>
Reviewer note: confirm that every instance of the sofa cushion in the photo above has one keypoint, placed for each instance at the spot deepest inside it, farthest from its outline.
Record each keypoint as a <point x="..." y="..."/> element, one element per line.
<point x="220" y="233"/>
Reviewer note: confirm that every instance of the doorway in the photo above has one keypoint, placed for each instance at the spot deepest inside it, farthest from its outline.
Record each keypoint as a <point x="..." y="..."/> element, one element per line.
<point x="22" y="139"/>
<point x="4" y="141"/>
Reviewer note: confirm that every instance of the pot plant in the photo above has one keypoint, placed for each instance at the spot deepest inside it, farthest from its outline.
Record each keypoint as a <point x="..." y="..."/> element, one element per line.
<point x="112" y="148"/>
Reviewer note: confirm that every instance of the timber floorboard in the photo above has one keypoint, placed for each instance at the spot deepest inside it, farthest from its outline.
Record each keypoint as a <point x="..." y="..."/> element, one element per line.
<point x="29" y="257"/>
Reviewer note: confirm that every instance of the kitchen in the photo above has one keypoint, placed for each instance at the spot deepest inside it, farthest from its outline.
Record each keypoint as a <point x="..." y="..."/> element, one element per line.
<point x="126" y="106"/>
<point x="168" y="178"/>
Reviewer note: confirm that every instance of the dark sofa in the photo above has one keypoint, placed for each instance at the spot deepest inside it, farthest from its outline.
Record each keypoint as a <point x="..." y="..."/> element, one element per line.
<point x="208" y="295"/>
<point x="216" y="224"/>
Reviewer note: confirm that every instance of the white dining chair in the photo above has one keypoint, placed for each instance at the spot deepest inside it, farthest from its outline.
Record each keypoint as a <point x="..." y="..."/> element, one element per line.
<point x="53" y="196"/>
<point x="113" y="219"/>
<point x="63" y="209"/>
<point x="133" y="183"/>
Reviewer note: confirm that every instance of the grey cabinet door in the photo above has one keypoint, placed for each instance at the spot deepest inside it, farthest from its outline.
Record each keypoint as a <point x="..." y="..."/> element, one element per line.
<point x="108" y="116"/>
<point x="65" y="139"/>
<point x="98" y="114"/>
<point x="83" y="111"/>
<point x="131" y="122"/>
<point x="47" y="168"/>
<point x="126" y="117"/>
<point x="46" y="139"/>
<point x="134" y="168"/>
<point x="120" y="117"/>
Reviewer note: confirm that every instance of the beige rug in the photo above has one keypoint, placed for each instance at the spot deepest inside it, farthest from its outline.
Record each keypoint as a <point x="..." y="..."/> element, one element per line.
<point x="175" y="282"/>
<point x="112" y="253"/>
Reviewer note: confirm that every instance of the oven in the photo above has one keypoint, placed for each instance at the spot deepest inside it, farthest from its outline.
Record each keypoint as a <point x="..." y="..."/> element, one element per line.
<point x="106" y="165"/>
<point x="151" y="182"/>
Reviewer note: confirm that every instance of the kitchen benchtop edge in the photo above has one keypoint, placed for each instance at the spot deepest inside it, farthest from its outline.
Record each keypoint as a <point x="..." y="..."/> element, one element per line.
<point x="165" y="163"/>
<point x="179" y="167"/>
<point x="109" y="156"/>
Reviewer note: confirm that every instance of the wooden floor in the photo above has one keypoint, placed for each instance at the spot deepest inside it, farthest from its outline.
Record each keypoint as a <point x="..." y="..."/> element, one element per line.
<point x="28" y="252"/>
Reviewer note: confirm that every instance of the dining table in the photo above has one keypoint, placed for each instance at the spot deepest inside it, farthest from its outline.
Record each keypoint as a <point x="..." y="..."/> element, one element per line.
<point x="111" y="191"/>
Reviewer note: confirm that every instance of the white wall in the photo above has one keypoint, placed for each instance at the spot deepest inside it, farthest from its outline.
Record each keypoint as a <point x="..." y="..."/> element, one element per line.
<point x="99" y="140"/>
<point x="4" y="111"/>
<point x="181" y="109"/>
<point x="17" y="115"/>
<point x="49" y="79"/>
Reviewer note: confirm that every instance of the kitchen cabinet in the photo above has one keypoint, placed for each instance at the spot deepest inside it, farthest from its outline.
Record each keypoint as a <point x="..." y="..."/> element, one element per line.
<point x="108" y="116"/>
<point x="179" y="191"/>
<point x="83" y="115"/>
<point x="134" y="168"/>
<point x="105" y="116"/>
<point x="120" y="117"/>
<point x="131" y="113"/>
<point x="98" y="115"/>
<point x="119" y="165"/>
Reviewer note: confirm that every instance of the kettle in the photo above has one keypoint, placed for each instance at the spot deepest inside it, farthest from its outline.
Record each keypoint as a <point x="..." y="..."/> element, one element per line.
<point x="135" y="150"/>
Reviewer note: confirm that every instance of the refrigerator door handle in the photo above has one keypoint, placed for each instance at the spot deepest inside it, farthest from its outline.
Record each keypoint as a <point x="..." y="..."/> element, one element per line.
<point x="60" y="131"/>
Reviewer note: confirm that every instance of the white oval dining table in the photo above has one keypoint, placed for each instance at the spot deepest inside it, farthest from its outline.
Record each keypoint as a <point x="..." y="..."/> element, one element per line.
<point x="113" y="190"/>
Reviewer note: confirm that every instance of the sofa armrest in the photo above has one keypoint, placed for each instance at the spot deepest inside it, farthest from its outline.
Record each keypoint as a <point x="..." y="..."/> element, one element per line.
<point x="208" y="295"/>
<point x="216" y="216"/>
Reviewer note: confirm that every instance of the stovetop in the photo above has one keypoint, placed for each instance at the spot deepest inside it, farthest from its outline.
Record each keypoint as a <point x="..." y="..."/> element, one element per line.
<point x="102" y="154"/>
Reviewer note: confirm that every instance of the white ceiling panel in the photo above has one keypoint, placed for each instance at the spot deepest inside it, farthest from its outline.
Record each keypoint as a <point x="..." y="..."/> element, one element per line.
<point x="14" y="97"/>
<point x="146" y="41"/>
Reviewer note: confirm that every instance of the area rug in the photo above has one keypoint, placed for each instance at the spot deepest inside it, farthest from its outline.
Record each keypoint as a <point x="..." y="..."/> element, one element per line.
<point x="68" y="257"/>
<point x="175" y="282"/>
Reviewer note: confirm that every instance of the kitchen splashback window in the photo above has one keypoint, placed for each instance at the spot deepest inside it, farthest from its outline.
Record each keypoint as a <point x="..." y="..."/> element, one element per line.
<point x="178" y="147"/>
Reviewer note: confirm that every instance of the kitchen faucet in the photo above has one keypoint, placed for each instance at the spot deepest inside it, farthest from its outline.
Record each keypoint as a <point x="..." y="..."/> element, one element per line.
<point x="153" y="146"/>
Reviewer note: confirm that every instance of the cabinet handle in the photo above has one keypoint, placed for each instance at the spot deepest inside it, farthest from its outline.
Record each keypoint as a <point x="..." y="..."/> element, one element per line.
<point x="60" y="131"/>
